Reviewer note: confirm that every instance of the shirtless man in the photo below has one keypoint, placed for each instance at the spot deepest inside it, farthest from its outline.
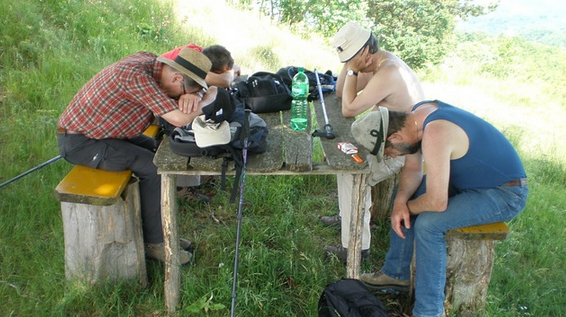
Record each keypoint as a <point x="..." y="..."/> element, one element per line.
<point x="369" y="78"/>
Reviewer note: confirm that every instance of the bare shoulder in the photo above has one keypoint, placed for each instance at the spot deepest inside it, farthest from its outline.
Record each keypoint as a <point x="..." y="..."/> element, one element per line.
<point x="446" y="136"/>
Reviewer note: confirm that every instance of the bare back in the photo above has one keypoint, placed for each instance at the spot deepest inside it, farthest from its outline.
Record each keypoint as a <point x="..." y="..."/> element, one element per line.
<point x="388" y="82"/>
<point x="398" y="80"/>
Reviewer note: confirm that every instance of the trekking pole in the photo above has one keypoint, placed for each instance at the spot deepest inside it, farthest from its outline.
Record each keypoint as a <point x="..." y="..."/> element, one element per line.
<point x="53" y="160"/>
<point x="327" y="133"/>
<point x="240" y="206"/>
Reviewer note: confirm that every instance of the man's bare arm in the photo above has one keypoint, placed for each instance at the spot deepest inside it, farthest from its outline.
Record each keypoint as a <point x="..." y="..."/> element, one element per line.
<point x="409" y="180"/>
<point x="437" y="147"/>
<point x="380" y="86"/>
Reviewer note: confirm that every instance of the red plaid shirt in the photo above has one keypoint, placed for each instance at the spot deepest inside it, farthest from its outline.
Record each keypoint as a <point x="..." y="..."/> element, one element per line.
<point x="121" y="101"/>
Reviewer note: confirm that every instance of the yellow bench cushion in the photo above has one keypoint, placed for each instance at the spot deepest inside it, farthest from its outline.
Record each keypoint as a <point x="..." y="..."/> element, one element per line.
<point x="92" y="186"/>
<point x="492" y="231"/>
<point x="151" y="131"/>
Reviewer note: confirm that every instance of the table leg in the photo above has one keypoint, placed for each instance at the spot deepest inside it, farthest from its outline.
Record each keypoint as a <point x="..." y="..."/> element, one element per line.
<point x="356" y="226"/>
<point x="172" y="283"/>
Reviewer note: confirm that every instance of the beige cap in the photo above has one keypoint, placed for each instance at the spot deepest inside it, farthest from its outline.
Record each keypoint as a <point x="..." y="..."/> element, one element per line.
<point x="209" y="133"/>
<point x="371" y="131"/>
<point x="349" y="40"/>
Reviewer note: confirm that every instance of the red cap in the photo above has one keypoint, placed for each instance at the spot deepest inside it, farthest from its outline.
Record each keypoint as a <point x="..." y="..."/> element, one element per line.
<point x="173" y="53"/>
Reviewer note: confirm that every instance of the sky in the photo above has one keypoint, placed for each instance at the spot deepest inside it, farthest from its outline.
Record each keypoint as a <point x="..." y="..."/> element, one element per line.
<point x="513" y="16"/>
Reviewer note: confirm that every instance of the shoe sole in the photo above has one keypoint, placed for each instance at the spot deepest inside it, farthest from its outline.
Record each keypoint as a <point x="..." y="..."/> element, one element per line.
<point x="385" y="288"/>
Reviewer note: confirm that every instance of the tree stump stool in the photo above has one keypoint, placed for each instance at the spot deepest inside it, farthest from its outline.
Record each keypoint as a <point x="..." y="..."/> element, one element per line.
<point x="469" y="263"/>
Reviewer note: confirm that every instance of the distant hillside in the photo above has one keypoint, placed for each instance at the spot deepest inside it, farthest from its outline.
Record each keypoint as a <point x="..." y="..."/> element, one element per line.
<point x="542" y="21"/>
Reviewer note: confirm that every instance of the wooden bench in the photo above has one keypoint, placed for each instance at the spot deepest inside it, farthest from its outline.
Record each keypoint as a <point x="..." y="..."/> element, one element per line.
<point x="469" y="263"/>
<point x="102" y="224"/>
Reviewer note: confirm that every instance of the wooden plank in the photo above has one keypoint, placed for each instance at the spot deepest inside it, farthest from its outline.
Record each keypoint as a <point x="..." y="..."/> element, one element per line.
<point x="354" y="260"/>
<point x="297" y="146"/>
<point x="341" y="127"/>
<point x="172" y="280"/>
<point x="166" y="160"/>
<point x="272" y="159"/>
<point x="492" y="231"/>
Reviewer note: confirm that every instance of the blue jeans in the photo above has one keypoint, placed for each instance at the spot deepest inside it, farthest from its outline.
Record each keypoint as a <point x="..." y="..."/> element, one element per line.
<point x="465" y="208"/>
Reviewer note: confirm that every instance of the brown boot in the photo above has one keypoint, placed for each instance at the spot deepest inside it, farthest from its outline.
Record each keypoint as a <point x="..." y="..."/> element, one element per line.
<point x="156" y="251"/>
<point x="380" y="281"/>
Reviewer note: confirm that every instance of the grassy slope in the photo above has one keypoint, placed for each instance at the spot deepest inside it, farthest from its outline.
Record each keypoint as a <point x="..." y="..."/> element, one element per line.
<point x="282" y="269"/>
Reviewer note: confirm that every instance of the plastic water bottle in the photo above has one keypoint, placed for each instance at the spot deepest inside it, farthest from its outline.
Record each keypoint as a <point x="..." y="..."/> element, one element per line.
<point x="300" y="107"/>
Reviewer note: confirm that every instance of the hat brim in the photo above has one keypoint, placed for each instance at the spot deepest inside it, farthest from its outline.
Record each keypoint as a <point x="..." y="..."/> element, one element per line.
<point x="183" y="70"/>
<point x="345" y="57"/>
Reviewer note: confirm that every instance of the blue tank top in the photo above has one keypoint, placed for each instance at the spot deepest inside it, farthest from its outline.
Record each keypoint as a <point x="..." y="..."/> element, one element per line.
<point x="490" y="161"/>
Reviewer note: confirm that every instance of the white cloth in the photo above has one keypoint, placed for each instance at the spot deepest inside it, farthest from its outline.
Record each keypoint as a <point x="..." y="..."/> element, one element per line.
<point x="188" y="180"/>
<point x="382" y="170"/>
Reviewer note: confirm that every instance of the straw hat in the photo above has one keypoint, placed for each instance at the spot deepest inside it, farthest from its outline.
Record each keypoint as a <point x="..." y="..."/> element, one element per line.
<point x="191" y="63"/>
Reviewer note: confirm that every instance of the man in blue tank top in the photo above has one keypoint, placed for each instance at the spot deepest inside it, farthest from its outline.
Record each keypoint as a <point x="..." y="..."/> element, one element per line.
<point x="473" y="176"/>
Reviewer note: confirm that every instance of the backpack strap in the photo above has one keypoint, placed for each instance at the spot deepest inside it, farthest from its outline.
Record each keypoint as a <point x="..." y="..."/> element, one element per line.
<point x="238" y="156"/>
<point x="238" y="164"/>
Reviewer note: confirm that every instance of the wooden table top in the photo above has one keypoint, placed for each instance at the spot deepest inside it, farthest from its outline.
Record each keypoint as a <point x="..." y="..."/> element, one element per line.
<point x="288" y="151"/>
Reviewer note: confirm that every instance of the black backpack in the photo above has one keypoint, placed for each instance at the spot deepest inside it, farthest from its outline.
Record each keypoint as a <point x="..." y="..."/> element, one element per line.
<point x="264" y="92"/>
<point x="243" y="124"/>
<point x="327" y="81"/>
<point x="349" y="298"/>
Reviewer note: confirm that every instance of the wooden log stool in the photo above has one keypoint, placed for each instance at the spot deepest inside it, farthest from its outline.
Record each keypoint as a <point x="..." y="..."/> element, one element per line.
<point x="469" y="263"/>
<point x="102" y="224"/>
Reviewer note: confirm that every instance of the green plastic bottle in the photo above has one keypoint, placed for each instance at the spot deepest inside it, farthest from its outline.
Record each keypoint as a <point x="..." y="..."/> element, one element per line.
<point x="300" y="106"/>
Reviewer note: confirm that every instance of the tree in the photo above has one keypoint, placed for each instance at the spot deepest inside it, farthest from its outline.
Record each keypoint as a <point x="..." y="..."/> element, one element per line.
<point x="419" y="31"/>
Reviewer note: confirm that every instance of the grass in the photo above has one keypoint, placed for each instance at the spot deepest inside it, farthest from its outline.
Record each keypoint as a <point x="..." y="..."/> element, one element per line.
<point x="50" y="48"/>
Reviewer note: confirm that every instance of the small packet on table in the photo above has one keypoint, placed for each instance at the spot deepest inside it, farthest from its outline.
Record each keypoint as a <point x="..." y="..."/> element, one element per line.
<point x="350" y="149"/>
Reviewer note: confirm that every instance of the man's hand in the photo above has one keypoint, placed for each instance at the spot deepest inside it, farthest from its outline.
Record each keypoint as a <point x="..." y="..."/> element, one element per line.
<point x="401" y="217"/>
<point x="361" y="61"/>
<point x="189" y="103"/>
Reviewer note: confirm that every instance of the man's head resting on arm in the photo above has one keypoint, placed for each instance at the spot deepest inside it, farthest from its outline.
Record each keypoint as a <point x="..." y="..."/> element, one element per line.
<point x="192" y="66"/>
<point x="352" y="39"/>
<point x="369" y="132"/>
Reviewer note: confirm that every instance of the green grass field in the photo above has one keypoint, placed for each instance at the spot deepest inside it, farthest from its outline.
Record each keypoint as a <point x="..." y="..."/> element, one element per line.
<point x="50" y="48"/>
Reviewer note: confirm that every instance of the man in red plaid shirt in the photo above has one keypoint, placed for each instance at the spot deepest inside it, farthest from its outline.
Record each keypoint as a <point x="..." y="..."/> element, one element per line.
<point x="102" y="126"/>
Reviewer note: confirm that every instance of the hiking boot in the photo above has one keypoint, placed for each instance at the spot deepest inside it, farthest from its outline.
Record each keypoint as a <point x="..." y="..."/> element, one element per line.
<point x="186" y="245"/>
<point x="342" y="253"/>
<point x="331" y="221"/>
<point x="155" y="251"/>
<point x="380" y="281"/>
<point x="190" y="194"/>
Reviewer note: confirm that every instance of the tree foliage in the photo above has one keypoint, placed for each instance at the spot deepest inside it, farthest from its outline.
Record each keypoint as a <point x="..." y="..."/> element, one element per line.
<point x="419" y="31"/>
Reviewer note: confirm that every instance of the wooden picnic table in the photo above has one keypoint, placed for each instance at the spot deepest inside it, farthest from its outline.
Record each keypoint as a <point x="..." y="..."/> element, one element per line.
<point x="288" y="152"/>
